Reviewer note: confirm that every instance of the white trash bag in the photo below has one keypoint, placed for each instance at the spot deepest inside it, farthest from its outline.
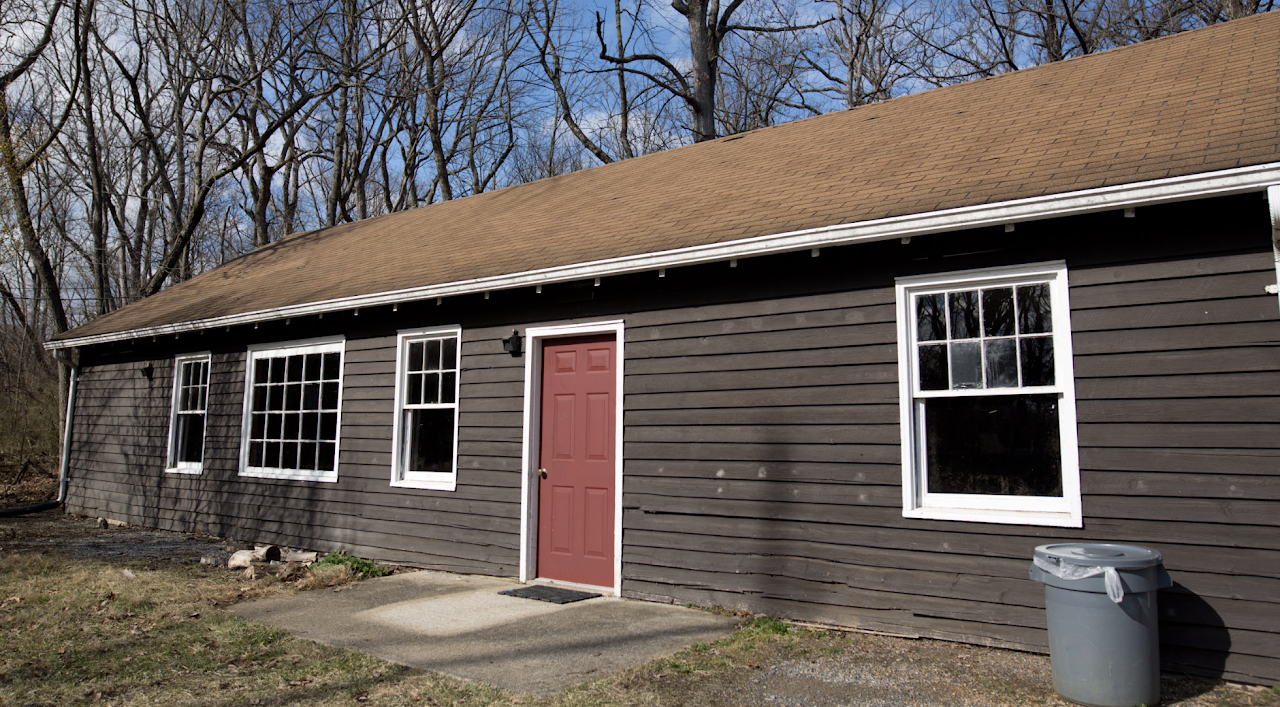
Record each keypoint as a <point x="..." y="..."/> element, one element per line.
<point x="1068" y="570"/>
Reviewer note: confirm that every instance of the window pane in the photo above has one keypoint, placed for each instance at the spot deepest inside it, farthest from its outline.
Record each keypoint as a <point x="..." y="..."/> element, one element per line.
<point x="271" y="455"/>
<point x="414" y="359"/>
<point x="1033" y="309"/>
<point x="293" y="396"/>
<point x="190" y="440"/>
<point x="449" y="353"/>
<point x="310" y="396"/>
<point x="429" y="442"/>
<point x="310" y="425"/>
<point x="413" y="396"/>
<point x="448" y="387"/>
<point x="255" y="453"/>
<point x="997" y="312"/>
<point x="331" y="361"/>
<point x="275" y="397"/>
<point x="326" y="457"/>
<point x="312" y="370"/>
<point x="291" y="423"/>
<point x="329" y="396"/>
<point x="1037" y="360"/>
<point x="307" y="455"/>
<point x="431" y="387"/>
<point x="329" y="426"/>
<point x="933" y="367"/>
<point x="294" y="364"/>
<point x="277" y="370"/>
<point x="259" y="398"/>
<point x="1003" y="445"/>
<point x="289" y="455"/>
<point x="966" y="365"/>
<point x="964" y="314"/>
<point x="433" y="355"/>
<point x="260" y="370"/>
<point x="258" y="426"/>
<point x="204" y="398"/>
<point x="931" y="318"/>
<point x="1002" y="364"/>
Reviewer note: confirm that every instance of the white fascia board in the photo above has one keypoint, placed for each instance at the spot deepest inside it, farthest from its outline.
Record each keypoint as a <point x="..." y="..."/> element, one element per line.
<point x="1159" y="191"/>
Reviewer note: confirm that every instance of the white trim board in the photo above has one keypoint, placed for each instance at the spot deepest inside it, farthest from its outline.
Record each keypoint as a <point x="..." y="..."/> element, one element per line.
<point x="1159" y="191"/>
<point x="532" y="434"/>
<point x="401" y="478"/>
<point x="1273" y="202"/>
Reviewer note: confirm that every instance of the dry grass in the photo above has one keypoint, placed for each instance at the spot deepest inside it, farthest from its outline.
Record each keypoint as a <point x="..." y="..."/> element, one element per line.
<point x="88" y="632"/>
<point x="321" y="576"/>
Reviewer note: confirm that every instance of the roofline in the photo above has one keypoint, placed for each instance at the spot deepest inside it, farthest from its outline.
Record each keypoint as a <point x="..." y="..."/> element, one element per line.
<point x="1157" y="191"/>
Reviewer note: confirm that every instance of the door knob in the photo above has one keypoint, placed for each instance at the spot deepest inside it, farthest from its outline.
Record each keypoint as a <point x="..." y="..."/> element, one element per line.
<point x="542" y="473"/>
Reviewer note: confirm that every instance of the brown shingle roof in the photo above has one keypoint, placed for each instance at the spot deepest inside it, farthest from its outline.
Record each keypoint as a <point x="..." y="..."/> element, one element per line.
<point x="1201" y="101"/>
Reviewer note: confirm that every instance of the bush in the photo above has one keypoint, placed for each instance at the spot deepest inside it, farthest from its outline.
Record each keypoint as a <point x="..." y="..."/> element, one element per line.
<point x="357" y="565"/>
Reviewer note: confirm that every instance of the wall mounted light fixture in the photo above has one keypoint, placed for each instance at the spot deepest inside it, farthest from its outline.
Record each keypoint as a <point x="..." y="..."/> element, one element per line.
<point x="513" y="344"/>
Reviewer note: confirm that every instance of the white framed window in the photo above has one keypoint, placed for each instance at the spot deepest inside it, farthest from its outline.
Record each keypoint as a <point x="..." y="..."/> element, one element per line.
<point x="188" y="414"/>
<point x="292" y="410"/>
<point x="425" y="437"/>
<point x="987" y="397"/>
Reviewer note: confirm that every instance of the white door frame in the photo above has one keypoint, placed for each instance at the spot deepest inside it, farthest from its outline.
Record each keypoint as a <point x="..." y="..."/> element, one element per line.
<point x="530" y="451"/>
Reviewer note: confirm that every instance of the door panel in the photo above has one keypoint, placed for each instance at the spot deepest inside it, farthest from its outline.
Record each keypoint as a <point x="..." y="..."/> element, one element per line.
<point x="578" y="443"/>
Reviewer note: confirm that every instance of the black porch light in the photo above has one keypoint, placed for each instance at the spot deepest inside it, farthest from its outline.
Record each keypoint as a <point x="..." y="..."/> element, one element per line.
<point x="513" y="344"/>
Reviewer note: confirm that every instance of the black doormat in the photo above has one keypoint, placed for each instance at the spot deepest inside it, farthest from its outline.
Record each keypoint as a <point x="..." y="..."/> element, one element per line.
<point x="555" y="595"/>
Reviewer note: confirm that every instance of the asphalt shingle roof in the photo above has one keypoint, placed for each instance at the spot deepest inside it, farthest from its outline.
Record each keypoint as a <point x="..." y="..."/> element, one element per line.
<point x="1201" y="101"/>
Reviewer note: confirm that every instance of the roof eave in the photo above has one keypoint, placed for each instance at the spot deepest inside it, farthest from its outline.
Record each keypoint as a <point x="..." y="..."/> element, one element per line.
<point x="1146" y="193"/>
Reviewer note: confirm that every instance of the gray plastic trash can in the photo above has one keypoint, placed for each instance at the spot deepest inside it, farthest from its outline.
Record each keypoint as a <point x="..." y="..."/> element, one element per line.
<point x="1104" y="639"/>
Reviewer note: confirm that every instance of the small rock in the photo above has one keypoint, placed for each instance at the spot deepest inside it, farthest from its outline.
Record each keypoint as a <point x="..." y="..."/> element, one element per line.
<point x="266" y="553"/>
<point x="209" y="560"/>
<point x="240" y="559"/>
<point x="128" y="574"/>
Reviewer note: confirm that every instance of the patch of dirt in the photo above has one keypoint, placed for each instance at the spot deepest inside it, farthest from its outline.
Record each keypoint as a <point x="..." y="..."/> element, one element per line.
<point x="32" y="482"/>
<point x="819" y="668"/>
<point x="81" y="538"/>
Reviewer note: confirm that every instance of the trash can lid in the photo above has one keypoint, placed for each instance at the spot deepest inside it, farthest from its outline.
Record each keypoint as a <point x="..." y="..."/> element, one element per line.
<point x="1101" y="554"/>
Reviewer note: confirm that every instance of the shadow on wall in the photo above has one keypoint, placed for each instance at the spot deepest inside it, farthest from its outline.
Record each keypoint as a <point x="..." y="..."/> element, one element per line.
<point x="1193" y="636"/>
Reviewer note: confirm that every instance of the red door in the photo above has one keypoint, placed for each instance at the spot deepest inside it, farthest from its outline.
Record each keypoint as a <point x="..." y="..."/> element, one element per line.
<point x="575" y="498"/>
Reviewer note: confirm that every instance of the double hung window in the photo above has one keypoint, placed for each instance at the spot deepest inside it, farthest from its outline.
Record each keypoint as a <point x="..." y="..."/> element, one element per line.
<point x="293" y="395"/>
<point x="188" y="413"/>
<point x="987" y="397"/>
<point x="425" y="437"/>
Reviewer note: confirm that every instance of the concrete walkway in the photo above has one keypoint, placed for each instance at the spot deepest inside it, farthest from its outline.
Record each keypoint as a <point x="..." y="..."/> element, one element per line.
<point x="459" y="625"/>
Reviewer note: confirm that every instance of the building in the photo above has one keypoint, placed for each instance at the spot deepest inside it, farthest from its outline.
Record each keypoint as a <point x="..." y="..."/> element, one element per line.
<point x="850" y="369"/>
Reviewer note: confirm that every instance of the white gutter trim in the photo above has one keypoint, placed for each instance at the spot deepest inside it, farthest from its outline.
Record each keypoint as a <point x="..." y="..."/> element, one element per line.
<point x="1273" y="199"/>
<point x="1158" y="191"/>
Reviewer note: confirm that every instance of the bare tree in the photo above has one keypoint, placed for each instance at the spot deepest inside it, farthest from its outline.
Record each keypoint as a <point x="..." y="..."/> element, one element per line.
<point x="709" y="25"/>
<point x="873" y="50"/>
<point x="20" y="149"/>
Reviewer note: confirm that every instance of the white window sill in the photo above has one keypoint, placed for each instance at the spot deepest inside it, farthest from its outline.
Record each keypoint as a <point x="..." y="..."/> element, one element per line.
<point x="1057" y="519"/>
<point x="290" y="474"/>
<point x="450" y="484"/>
<point x="183" y="470"/>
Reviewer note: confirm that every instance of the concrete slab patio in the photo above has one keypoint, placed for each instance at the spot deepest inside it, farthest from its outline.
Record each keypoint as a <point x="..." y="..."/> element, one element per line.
<point x="461" y="626"/>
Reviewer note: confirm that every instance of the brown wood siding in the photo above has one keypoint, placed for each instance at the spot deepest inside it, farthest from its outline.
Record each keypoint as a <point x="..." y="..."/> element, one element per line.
<point x="761" y="443"/>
